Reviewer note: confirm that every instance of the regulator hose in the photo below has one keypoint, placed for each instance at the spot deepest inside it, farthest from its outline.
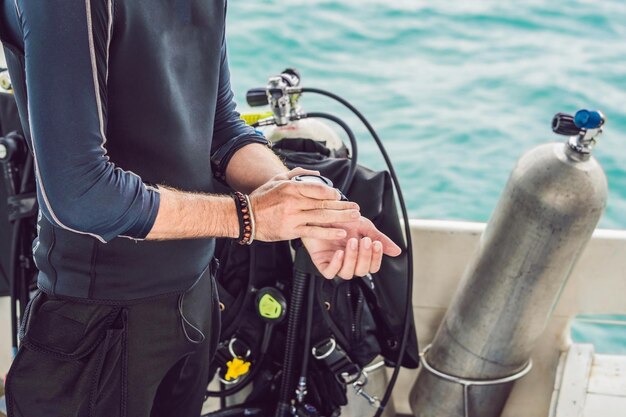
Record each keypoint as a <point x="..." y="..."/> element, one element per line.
<point x="295" y="306"/>
<point x="407" y="230"/>
<point x="304" y="368"/>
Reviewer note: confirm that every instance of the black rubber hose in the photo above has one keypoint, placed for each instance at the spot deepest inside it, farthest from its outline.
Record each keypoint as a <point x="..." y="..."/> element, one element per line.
<point x="295" y="307"/>
<point x="345" y="186"/>
<point x="407" y="230"/>
<point x="307" y="332"/>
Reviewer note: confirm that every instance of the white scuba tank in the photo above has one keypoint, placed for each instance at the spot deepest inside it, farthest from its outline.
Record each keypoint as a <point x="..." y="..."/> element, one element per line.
<point x="305" y="129"/>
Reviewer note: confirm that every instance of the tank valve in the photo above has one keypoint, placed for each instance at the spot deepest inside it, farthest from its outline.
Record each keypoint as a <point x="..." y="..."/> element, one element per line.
<point x="282" y="94"/>
<point x="583" y="128"/>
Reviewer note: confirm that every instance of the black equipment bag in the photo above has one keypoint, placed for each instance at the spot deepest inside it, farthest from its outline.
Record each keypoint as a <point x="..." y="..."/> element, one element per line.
<point x="364" y="315"/>
<point x="386" y="293"/>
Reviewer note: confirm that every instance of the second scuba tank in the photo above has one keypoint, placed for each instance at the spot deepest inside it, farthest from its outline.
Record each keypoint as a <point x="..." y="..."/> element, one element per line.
<point x="547" y="212"/>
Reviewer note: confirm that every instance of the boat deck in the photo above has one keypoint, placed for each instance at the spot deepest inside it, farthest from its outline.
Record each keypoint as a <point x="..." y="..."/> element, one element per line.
<point x="589" y="384"/>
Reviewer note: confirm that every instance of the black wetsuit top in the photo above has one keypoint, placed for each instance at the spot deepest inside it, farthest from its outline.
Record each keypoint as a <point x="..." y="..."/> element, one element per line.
<point x="117" y="95"/>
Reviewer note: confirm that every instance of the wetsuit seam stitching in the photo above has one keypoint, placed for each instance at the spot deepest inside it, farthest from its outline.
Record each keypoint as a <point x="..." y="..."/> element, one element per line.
<point x="94" y="73"/>
<point x="109" y="36"/>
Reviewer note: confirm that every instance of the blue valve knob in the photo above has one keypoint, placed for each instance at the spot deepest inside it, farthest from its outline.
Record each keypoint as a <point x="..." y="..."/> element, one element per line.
<point x="588" y="119"/>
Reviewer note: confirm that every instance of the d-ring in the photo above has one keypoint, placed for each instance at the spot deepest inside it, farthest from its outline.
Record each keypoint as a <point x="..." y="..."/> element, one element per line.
<point x="231" y="349"/>
<point x="333" y="346"/>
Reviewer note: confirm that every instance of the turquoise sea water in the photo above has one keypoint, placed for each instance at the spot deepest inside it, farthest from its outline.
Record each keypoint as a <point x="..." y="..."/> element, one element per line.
<point x="458" y="90"/>
<point x="606" y="332"/>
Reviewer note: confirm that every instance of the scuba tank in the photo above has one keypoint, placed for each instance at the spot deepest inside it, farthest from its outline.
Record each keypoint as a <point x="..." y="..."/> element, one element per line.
<point x="312" y="129"/>
<point x="547" y="212"/>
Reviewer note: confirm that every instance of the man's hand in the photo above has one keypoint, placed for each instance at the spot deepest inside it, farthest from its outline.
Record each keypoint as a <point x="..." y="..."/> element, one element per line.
<point x="285" y="210"/>
<point x="359" y="253"/>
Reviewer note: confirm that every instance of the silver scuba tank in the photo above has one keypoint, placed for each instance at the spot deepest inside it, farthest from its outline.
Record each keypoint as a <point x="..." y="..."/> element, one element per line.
<point x="546" y="214"/>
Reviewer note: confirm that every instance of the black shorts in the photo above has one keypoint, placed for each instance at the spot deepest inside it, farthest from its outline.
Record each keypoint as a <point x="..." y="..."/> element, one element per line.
<point x="148" y="359"/>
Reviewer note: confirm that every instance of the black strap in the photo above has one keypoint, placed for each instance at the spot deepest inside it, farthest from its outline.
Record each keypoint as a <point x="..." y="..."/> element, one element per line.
<point x="338" y="362"/>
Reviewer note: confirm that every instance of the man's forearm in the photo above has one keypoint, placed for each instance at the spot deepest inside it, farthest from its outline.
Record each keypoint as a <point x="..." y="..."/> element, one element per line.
<point x="184" y="215"/>
<point x="252" y="166"/>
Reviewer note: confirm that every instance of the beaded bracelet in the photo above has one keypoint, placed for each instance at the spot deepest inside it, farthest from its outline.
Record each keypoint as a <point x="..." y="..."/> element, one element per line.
<point x="252" y="222"/>
<point x="246" y="219"/>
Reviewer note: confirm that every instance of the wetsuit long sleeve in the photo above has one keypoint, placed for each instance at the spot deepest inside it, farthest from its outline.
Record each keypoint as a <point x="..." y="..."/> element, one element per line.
<point x="230" y="133"/>
<point x="66" y="45"/>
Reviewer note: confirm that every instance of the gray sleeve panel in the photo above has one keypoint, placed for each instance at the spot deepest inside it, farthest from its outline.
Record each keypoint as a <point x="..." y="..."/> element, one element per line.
<point x="66" y="45"/>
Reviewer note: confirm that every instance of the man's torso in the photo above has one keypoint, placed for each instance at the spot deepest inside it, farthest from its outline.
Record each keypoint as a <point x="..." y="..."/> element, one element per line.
<point x="160" y="84"/>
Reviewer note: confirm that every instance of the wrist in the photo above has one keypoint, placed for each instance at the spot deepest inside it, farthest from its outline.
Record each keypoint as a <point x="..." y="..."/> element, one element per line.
<point x="230" y="221"/>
